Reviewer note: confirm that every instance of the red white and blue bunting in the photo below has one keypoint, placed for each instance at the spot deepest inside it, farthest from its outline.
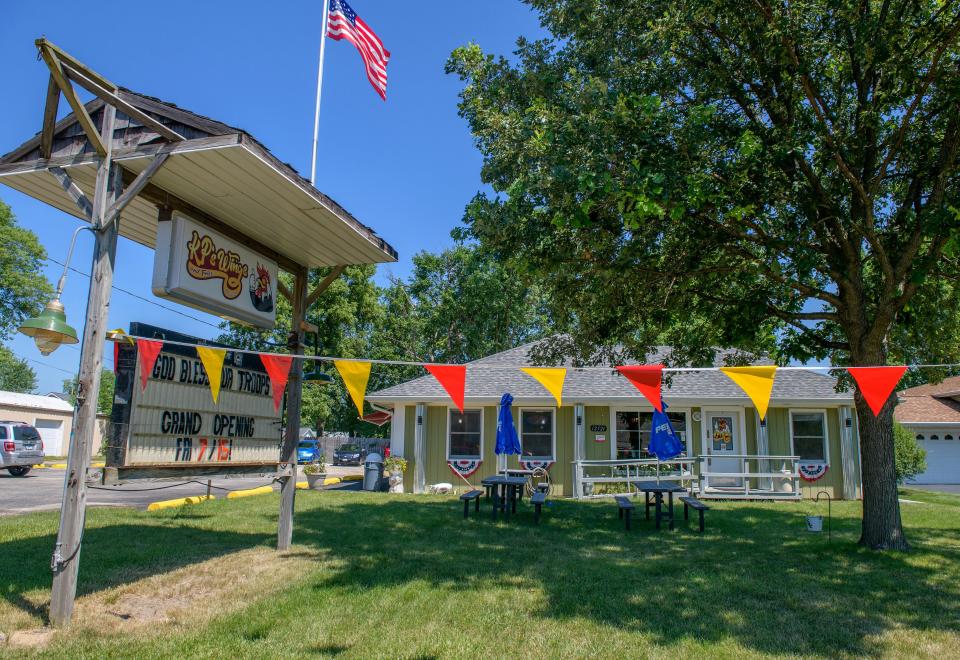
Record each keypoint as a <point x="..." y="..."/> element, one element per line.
<point x="533" y="465"/>
<point x="465" y="467"/>
<point x="812" y="471"/>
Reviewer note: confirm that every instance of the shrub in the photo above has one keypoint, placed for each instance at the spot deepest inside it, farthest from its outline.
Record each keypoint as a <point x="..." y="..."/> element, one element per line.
<point x="910" y="459"/>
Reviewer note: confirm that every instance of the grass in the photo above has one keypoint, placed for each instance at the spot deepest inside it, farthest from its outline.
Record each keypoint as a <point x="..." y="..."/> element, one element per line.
<point x="404" y="576"/>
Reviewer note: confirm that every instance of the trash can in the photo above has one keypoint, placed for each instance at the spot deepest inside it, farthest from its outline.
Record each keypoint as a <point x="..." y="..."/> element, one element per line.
<point x="372" y="472"/>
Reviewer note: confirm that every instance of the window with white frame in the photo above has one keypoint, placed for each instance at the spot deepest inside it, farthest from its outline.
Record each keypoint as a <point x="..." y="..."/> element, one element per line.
<point x="536" y="434"/>
<point x="465" y="433"/>
<point x="633" y="429"/>
<point x="809" y="432"/>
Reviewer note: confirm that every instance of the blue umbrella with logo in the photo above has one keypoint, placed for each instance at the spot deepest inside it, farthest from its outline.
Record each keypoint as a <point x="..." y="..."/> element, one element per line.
<point x="507" y="440"/>
<point x="664" y="442"/>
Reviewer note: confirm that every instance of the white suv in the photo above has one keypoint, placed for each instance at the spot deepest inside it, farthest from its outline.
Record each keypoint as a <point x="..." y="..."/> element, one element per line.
<point x="21" y="447"/>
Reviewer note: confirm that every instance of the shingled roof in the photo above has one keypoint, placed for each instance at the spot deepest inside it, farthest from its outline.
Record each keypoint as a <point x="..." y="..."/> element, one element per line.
<point x="488" y="378"/>
<point x="930" y="404"/>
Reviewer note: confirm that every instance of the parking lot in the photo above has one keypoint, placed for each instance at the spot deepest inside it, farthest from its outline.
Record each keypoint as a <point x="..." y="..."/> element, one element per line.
<point x="42" y="490"/>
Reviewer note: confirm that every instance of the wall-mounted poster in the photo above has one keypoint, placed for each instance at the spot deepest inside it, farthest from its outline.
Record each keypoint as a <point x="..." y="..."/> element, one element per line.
<point x="203" y="269"/>
<point x="722" y="433"/>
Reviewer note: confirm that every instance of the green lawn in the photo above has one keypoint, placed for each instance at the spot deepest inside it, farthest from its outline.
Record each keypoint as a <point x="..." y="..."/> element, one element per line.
<point x="381" y="575"/>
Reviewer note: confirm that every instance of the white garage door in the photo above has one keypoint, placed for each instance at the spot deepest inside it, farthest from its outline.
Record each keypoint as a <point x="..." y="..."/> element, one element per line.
<point x="943" y="457"/>
<point x="51" y="430"/>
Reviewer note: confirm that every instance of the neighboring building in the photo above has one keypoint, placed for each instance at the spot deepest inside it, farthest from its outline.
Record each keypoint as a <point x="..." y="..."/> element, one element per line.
<point x="51" y="415"/>
<point x="932" y="413"/>
<point x="604" y="418"/>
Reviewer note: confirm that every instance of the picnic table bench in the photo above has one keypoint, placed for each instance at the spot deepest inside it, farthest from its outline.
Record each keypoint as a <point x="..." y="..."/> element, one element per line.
<point x="537" y="500"/>
<point x="471" y="496"/>
<point x="693" y="503"/>
<point x="624" y="506"/>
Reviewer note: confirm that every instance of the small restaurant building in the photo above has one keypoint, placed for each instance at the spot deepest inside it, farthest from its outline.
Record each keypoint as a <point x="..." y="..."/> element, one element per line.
<point x="596" y="443"/>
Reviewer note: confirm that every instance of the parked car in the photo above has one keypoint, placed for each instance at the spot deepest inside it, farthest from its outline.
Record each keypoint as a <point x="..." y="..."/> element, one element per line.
<point x="21" y="447"/>
<point x="348" y="454"/>
<point x="308" y="451"/>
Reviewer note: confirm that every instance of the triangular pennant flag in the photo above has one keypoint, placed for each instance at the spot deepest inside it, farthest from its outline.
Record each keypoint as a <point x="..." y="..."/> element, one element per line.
<point x="757" y="382"/>
<point x="278" y="368"/>
<point x="453" y="378"/>
<point x="876" y="384"/>
<point x="147" y="352"/>
<point x="355" y="376"/>
<point x="212" y="359"/>
<point x="551" y="378"/>
<point x="646" y="378"/>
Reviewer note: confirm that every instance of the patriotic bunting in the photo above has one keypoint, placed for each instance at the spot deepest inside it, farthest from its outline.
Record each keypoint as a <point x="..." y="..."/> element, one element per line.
<point x="756" y="382"/>
<point x="212" y="359"/>
<point x="648" y="379"/>
<point x="551" y="378"/>
<point x="876" y="384"/>
<point x="278" y="368"/>
<point x="147" y="353"/>
<point x="452" y="378"/>
<point x="355" y="376"/>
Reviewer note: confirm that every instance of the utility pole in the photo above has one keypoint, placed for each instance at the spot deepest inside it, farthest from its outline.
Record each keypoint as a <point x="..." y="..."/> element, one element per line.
<point x="288" y="454"/>
<point x="66" y="553"/>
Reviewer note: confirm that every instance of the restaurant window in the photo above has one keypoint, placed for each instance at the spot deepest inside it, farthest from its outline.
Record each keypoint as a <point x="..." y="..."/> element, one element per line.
<point x="536" y="434"/>
<point x="809" y="433"/>
<point x="633" y="432"/>
<point x="465" y="434"/>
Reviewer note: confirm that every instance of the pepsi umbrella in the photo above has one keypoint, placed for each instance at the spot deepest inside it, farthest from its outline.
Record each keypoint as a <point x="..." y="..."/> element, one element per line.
<point x="507" y="440"/>
<point x="664" y="443"/>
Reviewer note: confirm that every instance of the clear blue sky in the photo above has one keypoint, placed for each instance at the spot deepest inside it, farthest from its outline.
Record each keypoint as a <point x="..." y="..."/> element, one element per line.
<point x="406" y="167"/>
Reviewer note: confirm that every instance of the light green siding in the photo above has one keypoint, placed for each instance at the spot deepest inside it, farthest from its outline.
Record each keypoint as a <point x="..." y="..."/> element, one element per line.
<point x="597" y="451"/>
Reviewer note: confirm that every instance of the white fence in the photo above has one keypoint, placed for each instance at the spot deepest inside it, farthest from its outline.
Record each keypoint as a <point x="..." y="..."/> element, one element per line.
<point x="587" y="475"/>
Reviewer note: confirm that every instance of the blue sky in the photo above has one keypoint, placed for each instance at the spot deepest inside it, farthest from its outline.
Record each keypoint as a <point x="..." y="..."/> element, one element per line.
<point x="406" y="167"/>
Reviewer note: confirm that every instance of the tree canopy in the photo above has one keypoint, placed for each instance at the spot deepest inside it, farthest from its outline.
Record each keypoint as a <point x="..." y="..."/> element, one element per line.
<point x="711" y="173"/>
<point x="23" y="287"/>
<point x="15" y="374"/>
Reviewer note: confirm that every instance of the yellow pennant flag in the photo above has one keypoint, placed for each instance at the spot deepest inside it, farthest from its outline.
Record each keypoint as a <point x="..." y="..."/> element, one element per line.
<point x="552" y="379"/>
<point x="212" y="359"/>
<point x="757" y="382"/>
<point x="355" y="376"/>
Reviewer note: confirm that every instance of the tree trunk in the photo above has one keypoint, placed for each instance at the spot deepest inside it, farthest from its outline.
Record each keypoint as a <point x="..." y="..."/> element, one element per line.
<point x="881" y="528"/>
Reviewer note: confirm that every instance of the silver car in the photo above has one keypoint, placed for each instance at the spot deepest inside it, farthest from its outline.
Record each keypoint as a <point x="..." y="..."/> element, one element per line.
<point x="21" y="447"/>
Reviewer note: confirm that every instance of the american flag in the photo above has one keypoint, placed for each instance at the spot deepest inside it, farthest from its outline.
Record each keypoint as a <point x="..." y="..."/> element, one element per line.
<point x="343" y="23"/>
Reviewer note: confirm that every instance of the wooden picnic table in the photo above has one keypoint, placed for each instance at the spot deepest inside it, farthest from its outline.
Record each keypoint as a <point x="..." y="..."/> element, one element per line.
<point x="506" y="490"/>
<point x="658" y="490"/>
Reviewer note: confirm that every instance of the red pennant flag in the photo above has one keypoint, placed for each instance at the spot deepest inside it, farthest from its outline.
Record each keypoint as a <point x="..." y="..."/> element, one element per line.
<point x="278" y="368"/>
<point x="116" y="356"/>
<point x="147" y="351"/>
<point x="453" y="378"/>
<point x="647" y="379"/>
<point x="876" y="384"/>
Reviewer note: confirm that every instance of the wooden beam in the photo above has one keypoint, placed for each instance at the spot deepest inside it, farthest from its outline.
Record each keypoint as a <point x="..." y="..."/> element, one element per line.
<point x="108" y="96"/>
<point x="67" y="58"/>
<point x="284" y="291"/>
<point x="86" y="123"/>
<point x="135" y="187"/>
<point x="327" y="281"/>
<point x="49" y="117"/>
<point x="72" y="189"/>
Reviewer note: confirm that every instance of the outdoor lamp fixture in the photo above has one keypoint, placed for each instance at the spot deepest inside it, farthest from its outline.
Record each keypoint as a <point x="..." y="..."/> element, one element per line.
<point x="50" y="329"/>
<point x="317" y="376"/>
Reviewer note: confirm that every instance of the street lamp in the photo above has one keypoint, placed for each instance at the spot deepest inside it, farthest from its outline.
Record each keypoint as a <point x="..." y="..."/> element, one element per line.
<point x="50" y="329"/>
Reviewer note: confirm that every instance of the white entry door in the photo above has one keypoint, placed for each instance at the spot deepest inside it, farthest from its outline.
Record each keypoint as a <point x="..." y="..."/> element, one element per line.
<point x="51" y="430"/>
<point x="721" y="444"/>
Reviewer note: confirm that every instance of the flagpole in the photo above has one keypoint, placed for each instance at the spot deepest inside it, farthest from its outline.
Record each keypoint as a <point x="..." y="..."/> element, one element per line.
<point x="316" y="115"/>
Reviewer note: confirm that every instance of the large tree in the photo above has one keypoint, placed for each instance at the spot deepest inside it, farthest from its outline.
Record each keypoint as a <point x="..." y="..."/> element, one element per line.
<point x="23" y="287"/>
<point x="108" y="382"/>
<point x="15" y="374"/>
<point x="716" y="172"/>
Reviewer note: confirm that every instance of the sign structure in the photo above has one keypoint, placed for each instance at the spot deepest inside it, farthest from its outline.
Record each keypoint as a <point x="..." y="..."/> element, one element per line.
<point x="172" y="427"/>
<point x="203" y="269"/>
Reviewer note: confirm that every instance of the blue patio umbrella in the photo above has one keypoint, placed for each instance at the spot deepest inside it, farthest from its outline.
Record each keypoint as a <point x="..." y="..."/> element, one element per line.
<point x="507" y="440"/>
<point x="664" y="443"/>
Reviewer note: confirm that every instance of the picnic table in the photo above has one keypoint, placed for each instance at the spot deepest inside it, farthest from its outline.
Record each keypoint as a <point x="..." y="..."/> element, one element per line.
<point x="506" y="490"/>
<point x="658" y="490"/>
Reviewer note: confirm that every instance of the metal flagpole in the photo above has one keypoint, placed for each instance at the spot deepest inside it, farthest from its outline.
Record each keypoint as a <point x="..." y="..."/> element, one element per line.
<point x="316" y="116"/>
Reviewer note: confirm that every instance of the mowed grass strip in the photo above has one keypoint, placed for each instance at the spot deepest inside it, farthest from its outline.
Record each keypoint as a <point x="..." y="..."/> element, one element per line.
<point x="406" y="576"/>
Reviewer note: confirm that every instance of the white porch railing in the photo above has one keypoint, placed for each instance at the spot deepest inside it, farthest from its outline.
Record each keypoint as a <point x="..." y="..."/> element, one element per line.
<point x="588" y="474"/>
<point x="748" y="476"/>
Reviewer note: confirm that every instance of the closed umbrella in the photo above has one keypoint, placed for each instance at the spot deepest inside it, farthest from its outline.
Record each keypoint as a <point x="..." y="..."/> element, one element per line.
<point x="664" y="443"/>
<point x="507" y="440"/>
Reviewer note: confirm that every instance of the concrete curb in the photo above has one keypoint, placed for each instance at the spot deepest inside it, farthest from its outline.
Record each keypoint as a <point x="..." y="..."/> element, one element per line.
<point x="63" y="466"/>
<point x="302" y="485"/>
<point x="331" y="481"/>
<point x="352" y="477"/>
<point x="262" y="490"/>
<point x="181" y="501"/>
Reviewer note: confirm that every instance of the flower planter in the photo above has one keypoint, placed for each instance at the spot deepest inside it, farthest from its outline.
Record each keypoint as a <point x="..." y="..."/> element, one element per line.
<point x="315" y="481"/>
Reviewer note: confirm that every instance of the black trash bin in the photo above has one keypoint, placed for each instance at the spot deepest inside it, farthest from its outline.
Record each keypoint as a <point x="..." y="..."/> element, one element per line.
<point x="372" y="472"/>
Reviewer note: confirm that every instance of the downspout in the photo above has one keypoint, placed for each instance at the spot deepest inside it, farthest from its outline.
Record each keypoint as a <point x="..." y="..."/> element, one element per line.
<point x="419" y="450"/>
